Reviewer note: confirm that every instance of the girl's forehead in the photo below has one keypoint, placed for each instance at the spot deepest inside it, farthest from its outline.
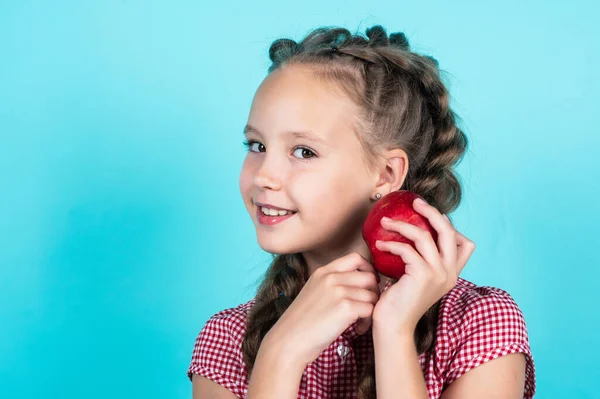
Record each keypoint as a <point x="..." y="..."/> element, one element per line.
<point x="297" y="118"/>
<point x="295" y="105"/>
<point x="299" y="86"/>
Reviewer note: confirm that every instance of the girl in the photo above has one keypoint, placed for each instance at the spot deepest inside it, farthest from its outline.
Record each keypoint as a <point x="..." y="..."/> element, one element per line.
<point x="340" y="121"/>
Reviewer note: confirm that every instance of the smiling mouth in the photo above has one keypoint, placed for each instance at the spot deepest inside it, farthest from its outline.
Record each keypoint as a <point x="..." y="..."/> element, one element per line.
<point x="288" y="213"/>
<point x="269" y="219"/>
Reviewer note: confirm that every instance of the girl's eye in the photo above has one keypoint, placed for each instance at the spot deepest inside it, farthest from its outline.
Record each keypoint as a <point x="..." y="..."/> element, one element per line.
<point x="249" y="143"/>
<point x="305" y="151"/>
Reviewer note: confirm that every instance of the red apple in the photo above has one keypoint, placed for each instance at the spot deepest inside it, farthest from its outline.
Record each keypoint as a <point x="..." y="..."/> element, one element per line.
<point x="397" y="205"/>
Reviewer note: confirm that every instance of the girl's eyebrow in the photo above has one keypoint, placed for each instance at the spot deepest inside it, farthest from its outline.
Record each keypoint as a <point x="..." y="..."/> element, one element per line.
<point x="303" y="135"/>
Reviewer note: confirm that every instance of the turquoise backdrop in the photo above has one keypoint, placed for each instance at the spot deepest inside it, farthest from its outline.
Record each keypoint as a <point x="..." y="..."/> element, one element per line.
<point x="122" y="229"/>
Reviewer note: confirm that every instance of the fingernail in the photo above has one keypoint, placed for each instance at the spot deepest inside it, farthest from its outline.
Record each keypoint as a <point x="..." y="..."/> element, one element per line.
<point x="385" y="219"/>
<point x="420" y="201"/>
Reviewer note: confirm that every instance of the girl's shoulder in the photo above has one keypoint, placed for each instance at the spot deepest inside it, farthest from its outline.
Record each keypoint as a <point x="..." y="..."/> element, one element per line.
<point x="468" y="301"/>
<point x="236" y="313"/>
<point x="480" y="314"/>
<point x="231" y="319"/>
<point x="217" y="353"/>
<point x="477" y="324"/>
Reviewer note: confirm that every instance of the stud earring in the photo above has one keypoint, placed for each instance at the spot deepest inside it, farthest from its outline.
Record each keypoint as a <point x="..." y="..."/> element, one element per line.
<point x="377" y="196"/>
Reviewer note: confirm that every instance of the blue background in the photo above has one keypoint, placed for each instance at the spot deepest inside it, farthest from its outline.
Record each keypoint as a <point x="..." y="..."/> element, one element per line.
<point x="122" y="229"/>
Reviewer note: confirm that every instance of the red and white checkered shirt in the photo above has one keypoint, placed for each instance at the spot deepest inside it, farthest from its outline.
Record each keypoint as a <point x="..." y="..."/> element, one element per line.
<point x="476" y="324"/>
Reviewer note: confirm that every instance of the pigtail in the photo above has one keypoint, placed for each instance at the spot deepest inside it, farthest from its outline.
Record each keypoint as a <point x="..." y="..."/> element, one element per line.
<point x="286" y="274"/>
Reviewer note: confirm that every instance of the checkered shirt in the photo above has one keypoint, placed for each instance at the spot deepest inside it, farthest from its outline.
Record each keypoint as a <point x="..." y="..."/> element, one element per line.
<point x="475" y="324"/>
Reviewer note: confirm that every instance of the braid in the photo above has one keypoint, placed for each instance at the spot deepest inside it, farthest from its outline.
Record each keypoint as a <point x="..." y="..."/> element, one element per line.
<point x="434" y="179"/>
<point x="287" y="274"/>
<point x="402" y="103"/>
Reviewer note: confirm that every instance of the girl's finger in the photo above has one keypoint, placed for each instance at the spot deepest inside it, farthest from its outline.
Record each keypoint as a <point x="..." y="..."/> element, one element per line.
<point x="446" y="237"/>
<point x="423" y="240"/>
<point x="406" y="251"/>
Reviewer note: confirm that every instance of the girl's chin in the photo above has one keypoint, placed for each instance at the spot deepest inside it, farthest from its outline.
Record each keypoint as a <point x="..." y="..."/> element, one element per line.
<point x="267" y="244"/>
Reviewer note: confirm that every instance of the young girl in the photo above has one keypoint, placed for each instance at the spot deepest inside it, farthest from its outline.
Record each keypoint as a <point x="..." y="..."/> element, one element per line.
<point x="340" y="121"/>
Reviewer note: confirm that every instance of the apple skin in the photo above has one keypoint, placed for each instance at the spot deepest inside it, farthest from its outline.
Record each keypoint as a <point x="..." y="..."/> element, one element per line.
<point x="397" y="205"/>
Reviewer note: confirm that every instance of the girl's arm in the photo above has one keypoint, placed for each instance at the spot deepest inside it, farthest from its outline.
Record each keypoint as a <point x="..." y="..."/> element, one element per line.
<point x="397" y="370"/>
<point x="203" y="388"/>
<point x="274" y="375"/>
<point x="503" y="377"/>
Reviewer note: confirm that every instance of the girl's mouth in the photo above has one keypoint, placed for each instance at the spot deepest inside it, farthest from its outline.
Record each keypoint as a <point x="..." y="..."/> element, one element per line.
<point x="270" y="220"/>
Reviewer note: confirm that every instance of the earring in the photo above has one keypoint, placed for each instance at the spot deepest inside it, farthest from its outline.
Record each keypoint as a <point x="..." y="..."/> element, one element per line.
<point x="377" y="196"/>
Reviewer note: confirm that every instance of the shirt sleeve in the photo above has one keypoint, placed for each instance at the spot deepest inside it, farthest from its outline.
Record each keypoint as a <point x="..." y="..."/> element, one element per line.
<point x="217" y="356"/>
<point x="494" y="326"/>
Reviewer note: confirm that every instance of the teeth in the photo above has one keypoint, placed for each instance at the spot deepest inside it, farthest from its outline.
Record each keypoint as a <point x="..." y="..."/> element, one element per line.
<point x="274" y="212"/>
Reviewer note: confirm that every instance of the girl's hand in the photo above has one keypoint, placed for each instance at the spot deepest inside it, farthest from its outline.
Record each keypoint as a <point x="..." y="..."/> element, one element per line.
<point x="333" y="298"/>
<point x="429" y="274"/>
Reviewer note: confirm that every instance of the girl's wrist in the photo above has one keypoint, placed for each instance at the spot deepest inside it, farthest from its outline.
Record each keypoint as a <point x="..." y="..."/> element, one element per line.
<point x="384" y="330"/>
<point x="274" y="375"/>
<point x="282" y="354"/>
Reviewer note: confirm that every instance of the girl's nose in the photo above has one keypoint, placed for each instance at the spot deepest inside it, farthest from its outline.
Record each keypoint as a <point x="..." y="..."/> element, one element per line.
<point x="268" y="175"/>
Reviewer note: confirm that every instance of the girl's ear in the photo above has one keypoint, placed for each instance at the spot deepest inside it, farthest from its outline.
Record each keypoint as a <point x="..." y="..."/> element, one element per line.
<point x="393" y="172"/>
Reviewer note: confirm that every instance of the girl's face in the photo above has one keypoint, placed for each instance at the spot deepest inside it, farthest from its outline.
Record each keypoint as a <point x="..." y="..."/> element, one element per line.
<point x="322" y="176"/>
